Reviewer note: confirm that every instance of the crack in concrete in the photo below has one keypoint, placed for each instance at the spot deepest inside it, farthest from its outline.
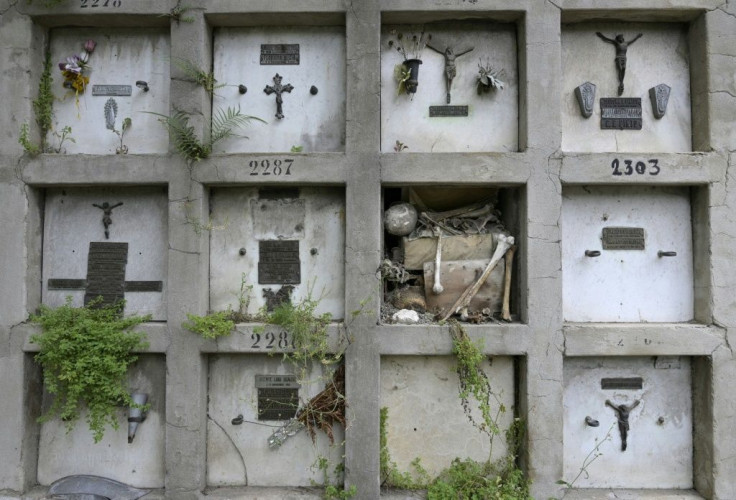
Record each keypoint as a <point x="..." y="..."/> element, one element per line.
<point x="722" y="92"/>
<point x="242" y="459"/>
<point x="187" y="252"/>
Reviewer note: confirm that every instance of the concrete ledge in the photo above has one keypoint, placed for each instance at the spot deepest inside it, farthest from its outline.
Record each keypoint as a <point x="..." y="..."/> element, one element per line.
<point x="303" y="169"/>
<point x="243" y="340"/>
<point x="157" y="336"/>
<point x="646" y="339"/>
<point x="261" y="493"/>
<point x="428" y="340"/>
<point x="469" y="168"/>
<point x="608" y="494"/>
<point x="674" y="168"/>
<point x="69" y="170"/>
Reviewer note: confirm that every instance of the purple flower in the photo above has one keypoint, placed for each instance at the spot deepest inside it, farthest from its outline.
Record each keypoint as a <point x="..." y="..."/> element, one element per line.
<point x="89" y="46"/>
<point x="62" y="66"/>
<point x="72" y="64"/>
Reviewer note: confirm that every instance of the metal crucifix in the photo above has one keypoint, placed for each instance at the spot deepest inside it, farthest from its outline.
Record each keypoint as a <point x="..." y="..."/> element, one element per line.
<point x="450" y="68"/>
<point x="622" y="415"/>
<point x="278" y="89"/>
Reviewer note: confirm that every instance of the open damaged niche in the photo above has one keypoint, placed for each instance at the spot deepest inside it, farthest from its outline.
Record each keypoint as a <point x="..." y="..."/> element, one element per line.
<point x="449" y="253"/>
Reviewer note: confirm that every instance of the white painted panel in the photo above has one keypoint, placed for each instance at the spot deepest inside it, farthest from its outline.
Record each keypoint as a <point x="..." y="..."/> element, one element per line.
<point x="425" y="415"/>
<point x="661" y="55"/>
<point x="627" y="285"/>
<point x="139" y="464"/>
<point x="314" y="122"/>
<point x="71" y="222"/>
<point x="122" y="57"/>
<point x="658" y="455"/>
<point x="239" y="454"/>
<point x="241" y="220"/>
<point x="492" y="121"/>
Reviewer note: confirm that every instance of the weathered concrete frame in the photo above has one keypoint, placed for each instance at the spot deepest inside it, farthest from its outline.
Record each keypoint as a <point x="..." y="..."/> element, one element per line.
<point x="540" y="171"/>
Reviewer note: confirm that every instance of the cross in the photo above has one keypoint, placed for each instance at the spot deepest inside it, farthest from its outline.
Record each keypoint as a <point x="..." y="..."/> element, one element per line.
<point x="106" y="263"/>
<point x="277" y="89"/>
<point x="107" y="215"/>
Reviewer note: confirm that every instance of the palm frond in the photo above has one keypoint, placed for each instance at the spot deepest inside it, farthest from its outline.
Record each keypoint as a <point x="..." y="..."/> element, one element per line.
<point x="183" y="136"/>
<point x="225" y="120"/>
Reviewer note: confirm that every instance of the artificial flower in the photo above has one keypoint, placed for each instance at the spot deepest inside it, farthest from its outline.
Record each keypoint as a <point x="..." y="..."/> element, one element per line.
<point x="89" y="46"/>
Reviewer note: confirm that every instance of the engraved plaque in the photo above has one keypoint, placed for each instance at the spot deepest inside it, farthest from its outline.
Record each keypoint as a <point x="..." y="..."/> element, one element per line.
<point x="67" y="284"/>
<point x="622" y="383"/>
<point x="278" y="396"/>
<point x="279" y="263"/>
<point x="112" y="90"/>
<point x="623" y="238"/>
<point x="620" y="113"/>
<point x="279" y="53"/>
<point x="144" y="286"/>
<point x="106" y="272"/>
<point x="439" y="111"/>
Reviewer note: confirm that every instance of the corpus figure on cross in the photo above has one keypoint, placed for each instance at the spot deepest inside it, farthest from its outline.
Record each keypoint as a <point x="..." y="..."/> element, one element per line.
<point x="621" y="47"/>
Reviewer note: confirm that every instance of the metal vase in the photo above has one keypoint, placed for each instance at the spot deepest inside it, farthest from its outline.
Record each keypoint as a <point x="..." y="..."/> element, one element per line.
<point x="413" y="82"/>
<point x="136" y="415"/>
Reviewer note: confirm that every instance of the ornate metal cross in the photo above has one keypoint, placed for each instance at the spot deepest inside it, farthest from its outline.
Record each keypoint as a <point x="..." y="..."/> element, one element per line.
<point x="277" y="89"/>
<point x="106" y="263"/>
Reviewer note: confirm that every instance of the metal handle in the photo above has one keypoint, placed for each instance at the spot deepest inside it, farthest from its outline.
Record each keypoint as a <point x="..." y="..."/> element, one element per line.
<point x="237" y="420"/>
<point x="591" y="422"/>
<point x="242" y="89"/>
<point x="313" y="90"/>
<point x="592" y="253"/>
<point x="666" y="254"/>
<point x="142" y="85"/>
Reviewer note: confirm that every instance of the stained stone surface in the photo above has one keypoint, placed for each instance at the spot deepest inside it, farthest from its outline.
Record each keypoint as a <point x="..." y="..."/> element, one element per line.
<point x="661" y="55"/>
<point x="425" y="416"/>
<point x="659" y="445"/>
<point x="139" y="464"/>
<point x="238" y="455"/>
<point x="314" y="122"/>
<point x="242" y="219"/>
<point x="71" y="222"/>
<point x="122" y="57"/>
<point x="492" y="121"/>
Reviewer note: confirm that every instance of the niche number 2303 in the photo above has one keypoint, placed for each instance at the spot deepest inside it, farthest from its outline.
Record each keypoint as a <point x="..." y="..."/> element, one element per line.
<point x="628" y="167"/>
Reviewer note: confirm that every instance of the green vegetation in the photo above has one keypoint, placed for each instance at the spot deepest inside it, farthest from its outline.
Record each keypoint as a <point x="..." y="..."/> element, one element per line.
<point x="25" y="141"/>
<point x="43" y="109"/>
<point x="390" y="474"/>
<point x="85" y="354"/>
<point x="332" y="490"/>
<point x="211" y="326"/>
<point x="201" y="77"/>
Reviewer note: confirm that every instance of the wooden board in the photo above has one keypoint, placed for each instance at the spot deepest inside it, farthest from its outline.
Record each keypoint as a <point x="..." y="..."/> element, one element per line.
<point x="464" y="247"/>
<point x="456" y="276"/>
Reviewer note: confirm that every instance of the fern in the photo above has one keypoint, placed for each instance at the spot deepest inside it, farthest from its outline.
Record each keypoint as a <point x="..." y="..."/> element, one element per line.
<point x="206" y="80"/>
<point x="224" y="121"/>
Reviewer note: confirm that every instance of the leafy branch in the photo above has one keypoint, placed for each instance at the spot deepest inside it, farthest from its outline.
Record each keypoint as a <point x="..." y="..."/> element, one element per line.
<point x="205" y="79"/>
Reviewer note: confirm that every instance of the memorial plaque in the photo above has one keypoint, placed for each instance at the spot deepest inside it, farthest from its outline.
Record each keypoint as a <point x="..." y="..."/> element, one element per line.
<point x="623" y="383"/>
<point x="112" y="90"/>
<point x="144" y="286"/>
<point x="279" y="53"/>
<point x="620" y="113"/>
<point x="106" y="272"/>
<point x="278" y="396"/>
<point x="279" y="263"/>
<point x="447" y="111"/>
<point x="67" y="284"/>
<point x="623" y="238"/>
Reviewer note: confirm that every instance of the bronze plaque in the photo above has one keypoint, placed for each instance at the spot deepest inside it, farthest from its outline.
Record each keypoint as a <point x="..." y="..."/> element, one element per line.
<point x="279" y="263"/>
<point x="112" y="90"/>
<point x="623" y="238"/>
<point x="439" y="111"/>
<point x="278" y="396"/>
<point x="620" y="113"/>
<point x="623" y="383"/>
<point x="106" y="272"/>
<point x="67" y="284"/>
<point x="279" y="53"/>
<point x="144" y="286"/>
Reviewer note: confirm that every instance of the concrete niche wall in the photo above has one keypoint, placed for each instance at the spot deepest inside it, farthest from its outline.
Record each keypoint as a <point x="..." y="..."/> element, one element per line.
<point x="311" y="220"/>
<point x="661" y="55"/>
<point x="139" y="464"/>
<point x="314" y="121"/>
<point x="659" y="451"/>
<point x="492" y="120"/>
<point x="74" y="227"/>
<point x="425" y="415"/>
<point x="627" y="283"/>
<point x="122" y="57"/>
<point x="238" y="454"/>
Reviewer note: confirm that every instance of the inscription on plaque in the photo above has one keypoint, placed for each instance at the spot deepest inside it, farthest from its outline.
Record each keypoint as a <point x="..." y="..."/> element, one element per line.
<point x="623" y="238"/>
<point x="279" y="53"/>
<point x="112" y="90"/>
<point x="624" y="383"/>
<point x="439" y="111"/>
<point x="620" y="113"/>
<point x="278" y="396"/>
<point x="279" y="263"/>
<point x="64" y="284"/>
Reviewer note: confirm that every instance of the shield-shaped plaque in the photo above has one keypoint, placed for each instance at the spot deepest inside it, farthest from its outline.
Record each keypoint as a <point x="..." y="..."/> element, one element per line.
<point x="659" y="96"/>
<point x="585" y="94"/>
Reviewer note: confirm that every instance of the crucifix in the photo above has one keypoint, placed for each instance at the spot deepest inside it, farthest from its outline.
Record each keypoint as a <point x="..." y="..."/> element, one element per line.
<point x="622" y="415"/>
<point x="450" y="68"/>
<point x="278" y="89"/>
<point x="107" y="215"/>
<point x="621" y="47"/>
<point x="106" y="263"/>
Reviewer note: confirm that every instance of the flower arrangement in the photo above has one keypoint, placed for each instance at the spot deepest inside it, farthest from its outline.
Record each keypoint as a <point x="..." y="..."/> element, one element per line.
<point x="75" y="67"/>
<point x="489" y="78"/>
<point x="410" y="47"/>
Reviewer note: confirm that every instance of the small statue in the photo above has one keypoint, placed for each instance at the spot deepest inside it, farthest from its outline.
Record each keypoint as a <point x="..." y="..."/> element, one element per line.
<point x="107" y="215"/>
<point x="622" y="414"/>
<point x="450" y="68"/>
<point x="621" y="47"/>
